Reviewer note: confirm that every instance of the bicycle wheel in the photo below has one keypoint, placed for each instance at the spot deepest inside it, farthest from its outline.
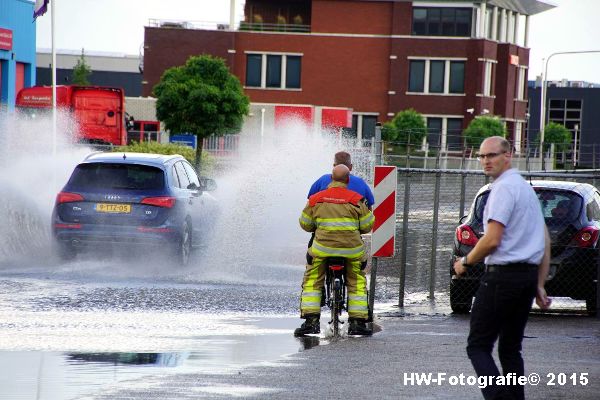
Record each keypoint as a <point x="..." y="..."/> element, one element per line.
<point x="335" y="307"/>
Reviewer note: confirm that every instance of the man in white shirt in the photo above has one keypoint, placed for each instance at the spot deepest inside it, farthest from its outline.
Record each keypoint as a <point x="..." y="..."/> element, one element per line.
<point x="516" y="248"/>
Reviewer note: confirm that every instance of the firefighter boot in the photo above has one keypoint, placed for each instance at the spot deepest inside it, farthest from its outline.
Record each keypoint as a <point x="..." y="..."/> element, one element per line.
<point x="312" y="325"/>
<point x="358" y="327"/>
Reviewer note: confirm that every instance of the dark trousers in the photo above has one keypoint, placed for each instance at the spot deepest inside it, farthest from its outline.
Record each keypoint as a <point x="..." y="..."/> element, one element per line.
<point x="500" y="311"/>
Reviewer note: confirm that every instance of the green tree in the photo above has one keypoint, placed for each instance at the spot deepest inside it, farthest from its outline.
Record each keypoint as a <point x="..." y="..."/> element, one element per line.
<point x="557" y="134"/>
<point x="81" y="71"/>
<point x="201" y="98"/>
<point x="481" y="128"/>
<point x="408" y="126"/>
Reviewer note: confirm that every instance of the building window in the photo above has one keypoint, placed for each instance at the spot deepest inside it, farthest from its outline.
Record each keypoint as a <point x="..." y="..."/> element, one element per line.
<point x="434" y="132"/>
<point x="363" y="127"/>
<point x="521" y="83"/>
<point x="489" y="15"/>
<point x="436" y="76"/>
<point x="273" y="71"/>
<point x="457" y="76"/>
<point x="417" y="76"/>
<point x="442" y="21"/>
<point x="445" y="133"/>
<point x="488" y="77"/>
<point x="253" y="70"/>
<point x="454" y="134"/>
<point x="292" y="73"/>
<point x="566" y="112"/>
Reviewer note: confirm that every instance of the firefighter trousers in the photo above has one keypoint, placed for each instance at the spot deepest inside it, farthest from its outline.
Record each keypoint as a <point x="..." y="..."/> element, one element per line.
<point x="314" y="280"/>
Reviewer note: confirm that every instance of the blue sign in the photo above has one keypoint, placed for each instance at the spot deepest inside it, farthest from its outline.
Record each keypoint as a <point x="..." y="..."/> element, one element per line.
<point x="185" y="140"/>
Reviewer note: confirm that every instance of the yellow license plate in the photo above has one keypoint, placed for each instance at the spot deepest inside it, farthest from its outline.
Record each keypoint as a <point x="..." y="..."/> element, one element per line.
<point x="113" y="208"/>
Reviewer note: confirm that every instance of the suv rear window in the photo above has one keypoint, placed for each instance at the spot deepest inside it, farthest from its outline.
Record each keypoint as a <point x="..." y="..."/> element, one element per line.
<point x="116" y="176"/>
<point x="558" y="206"/>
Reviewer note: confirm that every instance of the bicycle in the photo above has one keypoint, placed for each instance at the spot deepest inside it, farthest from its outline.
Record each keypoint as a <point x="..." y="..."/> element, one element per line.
<point x="335" y="291"/>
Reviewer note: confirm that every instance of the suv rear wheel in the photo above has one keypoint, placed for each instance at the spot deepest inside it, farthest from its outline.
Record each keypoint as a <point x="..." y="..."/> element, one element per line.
<point x="183" y="248"/>
<point x="65" y="251"/>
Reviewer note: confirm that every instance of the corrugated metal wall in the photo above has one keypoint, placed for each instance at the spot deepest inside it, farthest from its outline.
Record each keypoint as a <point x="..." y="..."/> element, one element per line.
<point x="16" y="16"/>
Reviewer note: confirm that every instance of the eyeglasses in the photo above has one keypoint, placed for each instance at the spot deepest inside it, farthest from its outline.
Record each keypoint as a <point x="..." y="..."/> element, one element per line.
<point x="489" y="155"/>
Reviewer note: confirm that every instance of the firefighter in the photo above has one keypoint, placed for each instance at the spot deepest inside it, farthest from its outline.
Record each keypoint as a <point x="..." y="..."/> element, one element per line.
<point x="338" y="216"/>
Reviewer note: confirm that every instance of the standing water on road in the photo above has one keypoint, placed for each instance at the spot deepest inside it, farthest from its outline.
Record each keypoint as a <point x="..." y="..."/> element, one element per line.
<point x="99" y="322"/>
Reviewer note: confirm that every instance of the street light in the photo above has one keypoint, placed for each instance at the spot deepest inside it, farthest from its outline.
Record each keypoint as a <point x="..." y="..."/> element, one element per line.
<point x="545" y="89"/>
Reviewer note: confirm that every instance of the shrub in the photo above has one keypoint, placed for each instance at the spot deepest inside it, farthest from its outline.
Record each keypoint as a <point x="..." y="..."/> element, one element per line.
<point x="557" y="134"/>
<point x="169" y="148"/>
<point x="481" y="128"/>
<point x="407" y="124"/>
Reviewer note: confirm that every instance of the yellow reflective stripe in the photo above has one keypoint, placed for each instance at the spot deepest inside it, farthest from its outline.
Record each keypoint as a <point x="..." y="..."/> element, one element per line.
<point x="350" y="224"/>
<point x="367" y="221"/>
<point x="323" y="251"/>
<point x="353" y="228"/>
<point x="358" y="308"/>
<point x="311" y="294"/>
<point x="319" y="220"/>
<point x="306" y="220"/>
<point x="357" y="298"/>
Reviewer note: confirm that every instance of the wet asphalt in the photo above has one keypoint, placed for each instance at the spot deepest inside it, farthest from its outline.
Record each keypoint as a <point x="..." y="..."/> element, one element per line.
<point x="563" y="350"/>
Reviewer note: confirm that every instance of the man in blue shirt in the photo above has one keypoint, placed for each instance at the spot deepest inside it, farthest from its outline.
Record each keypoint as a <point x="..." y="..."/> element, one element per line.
<point x="355" y="183"/>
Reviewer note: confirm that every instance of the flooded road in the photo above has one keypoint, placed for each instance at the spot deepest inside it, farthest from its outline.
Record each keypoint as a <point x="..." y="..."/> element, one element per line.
<point x="68" y="331"/>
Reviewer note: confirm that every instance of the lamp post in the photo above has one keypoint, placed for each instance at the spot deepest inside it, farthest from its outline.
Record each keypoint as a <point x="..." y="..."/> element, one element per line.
<point x="545" y="89"/>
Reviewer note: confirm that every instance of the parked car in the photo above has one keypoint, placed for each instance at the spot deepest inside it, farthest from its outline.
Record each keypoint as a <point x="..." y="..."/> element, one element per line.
<point x="133" y="199"/>
<point x="572" y="214"/>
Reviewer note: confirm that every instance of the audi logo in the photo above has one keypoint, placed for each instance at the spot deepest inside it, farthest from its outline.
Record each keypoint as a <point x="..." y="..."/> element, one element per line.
<point x="112" y="197"/>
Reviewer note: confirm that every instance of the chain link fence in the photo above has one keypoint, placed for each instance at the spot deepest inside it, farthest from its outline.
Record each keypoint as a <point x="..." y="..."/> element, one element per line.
<point x="439" y="217"/>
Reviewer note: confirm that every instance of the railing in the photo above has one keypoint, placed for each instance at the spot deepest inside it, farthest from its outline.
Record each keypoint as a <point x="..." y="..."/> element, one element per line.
<point x="432" y="201"/>
<point x="260" y="26"/>
<point x="222" y="146"/>
<point x="244" y="26"/>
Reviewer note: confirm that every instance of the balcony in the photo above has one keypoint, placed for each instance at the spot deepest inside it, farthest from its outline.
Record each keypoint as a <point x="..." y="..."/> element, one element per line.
<point x="277" y="16"/>
<point x="277" y="27"/>
<point x="222" y="26"/>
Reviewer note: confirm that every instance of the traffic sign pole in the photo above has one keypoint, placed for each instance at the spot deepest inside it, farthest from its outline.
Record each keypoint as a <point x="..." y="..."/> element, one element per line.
<point x="383" y="238"/>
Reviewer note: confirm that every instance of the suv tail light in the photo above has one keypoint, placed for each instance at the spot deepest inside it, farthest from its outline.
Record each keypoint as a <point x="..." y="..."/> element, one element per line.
<point x="66" y="197"/>
<point x="465" y="235"/>
<point x="586" y="237"/>
<point x="162" y="201"/>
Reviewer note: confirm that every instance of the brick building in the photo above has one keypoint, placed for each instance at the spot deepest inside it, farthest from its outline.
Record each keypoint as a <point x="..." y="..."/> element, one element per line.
<point x="353" y="63"/>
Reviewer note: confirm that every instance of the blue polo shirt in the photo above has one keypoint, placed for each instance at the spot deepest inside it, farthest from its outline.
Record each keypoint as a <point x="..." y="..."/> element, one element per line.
<point x="356" y="184"/>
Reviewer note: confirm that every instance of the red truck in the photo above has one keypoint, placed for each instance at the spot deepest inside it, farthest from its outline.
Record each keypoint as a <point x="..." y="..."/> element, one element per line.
<point x="99" y="111"/>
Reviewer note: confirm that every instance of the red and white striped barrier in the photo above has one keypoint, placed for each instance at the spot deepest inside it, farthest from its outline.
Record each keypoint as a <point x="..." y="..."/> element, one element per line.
<point x="383" y="239"/>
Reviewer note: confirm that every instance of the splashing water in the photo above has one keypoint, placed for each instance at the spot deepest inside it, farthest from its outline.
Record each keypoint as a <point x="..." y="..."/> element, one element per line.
<point x="30" y="177"/>
<point x="257" y="238"/>
<point x="262" y="195"/>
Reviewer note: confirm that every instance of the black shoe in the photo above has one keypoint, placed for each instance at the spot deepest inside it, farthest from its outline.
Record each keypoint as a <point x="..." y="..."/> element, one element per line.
<point x="358" y="327"/>
<point x="312" y="325"/>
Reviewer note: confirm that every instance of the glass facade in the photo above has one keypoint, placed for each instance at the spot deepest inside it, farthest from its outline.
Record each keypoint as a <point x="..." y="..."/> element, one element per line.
<point x="442" y="21"/>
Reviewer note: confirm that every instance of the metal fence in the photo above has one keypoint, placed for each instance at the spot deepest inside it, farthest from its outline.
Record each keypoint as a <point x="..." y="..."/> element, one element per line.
<point x="430" y="204"/>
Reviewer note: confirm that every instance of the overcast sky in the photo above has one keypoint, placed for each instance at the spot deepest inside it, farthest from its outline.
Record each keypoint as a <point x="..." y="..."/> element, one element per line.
<point x="117" y="26"/>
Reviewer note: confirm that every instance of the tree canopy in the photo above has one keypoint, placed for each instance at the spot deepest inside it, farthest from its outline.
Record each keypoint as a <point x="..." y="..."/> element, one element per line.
<point x="557" y="134"/>
<point x="481" y="128"/>
<point x="201" y="98"/>
<point x="407" y="126"/>
<point x="81" y="71"/>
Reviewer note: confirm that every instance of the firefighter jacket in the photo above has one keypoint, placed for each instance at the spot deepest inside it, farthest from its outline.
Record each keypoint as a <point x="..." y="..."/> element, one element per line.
<point x="337" y="216"/>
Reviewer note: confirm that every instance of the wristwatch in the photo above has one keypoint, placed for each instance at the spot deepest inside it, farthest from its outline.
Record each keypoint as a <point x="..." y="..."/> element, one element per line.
<point x="464" y="262"/>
